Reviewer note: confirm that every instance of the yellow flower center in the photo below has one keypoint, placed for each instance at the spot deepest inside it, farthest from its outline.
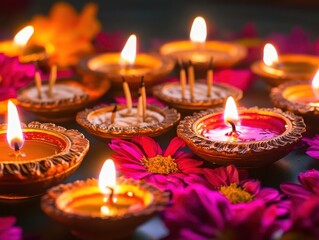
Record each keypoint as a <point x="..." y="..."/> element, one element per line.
<point x="160" y="164"/>
<point x="235" y="194"/>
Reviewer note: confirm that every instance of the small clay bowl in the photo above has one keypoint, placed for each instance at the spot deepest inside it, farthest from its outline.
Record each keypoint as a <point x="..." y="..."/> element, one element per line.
<point x="20" y="178"/>
<point x="97" y="122"/>
<point x="170" y="93"/>
<point x="291" y="67"/>
<point x="274" y="134"/>
<point x="101" y="227"/>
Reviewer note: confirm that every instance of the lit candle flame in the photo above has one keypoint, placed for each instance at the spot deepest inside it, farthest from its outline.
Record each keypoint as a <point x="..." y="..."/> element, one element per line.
<point x="198" y="31"/>
<point x="22" y="37"/>
<point x="14" y="131"/>
<point x="315" y="85"/>
<point x="270" y="54"/>
<point x="128" y="53"/>
<point x="231" y="113"/>
<point x="107" y="177"/>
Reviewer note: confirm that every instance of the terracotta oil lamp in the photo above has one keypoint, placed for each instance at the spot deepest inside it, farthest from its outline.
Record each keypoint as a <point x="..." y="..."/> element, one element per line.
<point x="110" y="207"/>
<point x="252" y="138"/>
<point x="287" y="67"/>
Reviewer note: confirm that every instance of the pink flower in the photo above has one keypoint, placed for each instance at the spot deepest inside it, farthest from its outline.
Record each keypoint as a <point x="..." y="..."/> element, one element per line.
<point x="313" y="150"/>
<point x="308" y="187"/>
<point x="199" y="213"/>
<point x="13" y="76"/>
<point x="297" y="41"/>
<point x="239" y="191"/>
<point x="240" y="78"/>
<point x="304" y="220"/>
<point x="109" y="42"/>
<point x="143" y="158"/>
<point x="7" y="229"/>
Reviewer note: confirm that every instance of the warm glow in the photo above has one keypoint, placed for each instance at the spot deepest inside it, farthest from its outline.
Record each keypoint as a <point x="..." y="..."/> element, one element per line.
<point x="230" y="113"/>
<point x="107" y="178"/>
<point x="315" y="81"/>
<point x="22" y="37"/>
<point x="128" y="53"/>
<point x="198" y="31"/>
<point x="270" y="54"/>
<point x="14" y="131"/>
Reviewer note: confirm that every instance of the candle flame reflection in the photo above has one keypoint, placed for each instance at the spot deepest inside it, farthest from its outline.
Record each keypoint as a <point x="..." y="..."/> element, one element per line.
<point x="315" y="85"/>
<point x="128" y="53"/>
<point x="198" y="31"/>
<point x="14" y="131"/>
<point x="107" y="177"/>
<point x="23" y="36"/>
<point x="270" y="54"/>
<point x="231" y="113"/>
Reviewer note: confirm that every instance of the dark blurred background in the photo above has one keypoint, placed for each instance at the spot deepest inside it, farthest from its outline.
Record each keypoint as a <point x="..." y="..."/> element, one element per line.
<point x="168" y="19"/>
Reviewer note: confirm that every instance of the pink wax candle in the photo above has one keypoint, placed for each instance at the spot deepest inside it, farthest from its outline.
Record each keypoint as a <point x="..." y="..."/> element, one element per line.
<point x="252" y="127"/>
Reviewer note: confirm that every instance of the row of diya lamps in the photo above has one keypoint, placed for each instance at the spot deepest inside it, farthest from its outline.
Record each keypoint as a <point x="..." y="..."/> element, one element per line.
<point x="43" y="154"/>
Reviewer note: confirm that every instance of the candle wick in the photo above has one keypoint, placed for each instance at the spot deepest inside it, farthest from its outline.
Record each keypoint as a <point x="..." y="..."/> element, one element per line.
<point x="16" y="146"/>
<point x="233" y="127"/>
<point x="113" y="114"/>
<point x="110" y="198"/>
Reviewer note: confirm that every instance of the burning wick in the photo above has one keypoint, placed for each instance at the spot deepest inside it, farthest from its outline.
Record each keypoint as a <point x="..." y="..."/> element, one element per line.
<point x="233" y="127"/>
<point x="16" y="147"/>
<point x="110" y="197"/>
<point x="113" y="114"/>
<point x="231" y="116"/>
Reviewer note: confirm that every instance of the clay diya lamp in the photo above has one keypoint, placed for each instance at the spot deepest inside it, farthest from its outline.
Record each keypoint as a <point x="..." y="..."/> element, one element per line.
<point x="105" y="123"/>
<point x="200" y="51"/>
<point x="108" y="208"/>
<point x="128" y="64"/>
<point x="196" y="95"/>
<point x="287" y="67"/>
<point x="36" y="157"/>
<point x="253" y="138"/>
<point x="26" y="52"/>
<point x="58" y="100"/>
<point x="299" y="97"/>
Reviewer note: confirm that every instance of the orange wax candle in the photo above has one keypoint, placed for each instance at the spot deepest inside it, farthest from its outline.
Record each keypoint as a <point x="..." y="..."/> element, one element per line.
<point x="90" y="201"/>
<point x="37" y="145"/>
<point x="10" y="49"/>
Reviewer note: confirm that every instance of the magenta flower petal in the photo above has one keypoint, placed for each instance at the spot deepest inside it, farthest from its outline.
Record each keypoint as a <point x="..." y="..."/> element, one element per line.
<point x="252" y="186"/>
<point x="310" y="179"/>
<point x="7" y="229"/>
<point x="141" y="158"/>
<point x="295" y="190"/>
<point x="268" y="194"/>
<point x="6" y="222"/>
<point x="149" y="146"/>
<point x="175" y="144"/>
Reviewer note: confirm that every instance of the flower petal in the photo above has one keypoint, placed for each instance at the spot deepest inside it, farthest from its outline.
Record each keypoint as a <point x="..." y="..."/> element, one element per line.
<point x="175" y="144"/>
<point x="295" y="190"/>
<point x="150" y="147"/>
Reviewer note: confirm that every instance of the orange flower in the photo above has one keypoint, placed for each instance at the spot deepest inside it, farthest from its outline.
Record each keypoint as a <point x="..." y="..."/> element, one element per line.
<point x="65" y="33"/>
